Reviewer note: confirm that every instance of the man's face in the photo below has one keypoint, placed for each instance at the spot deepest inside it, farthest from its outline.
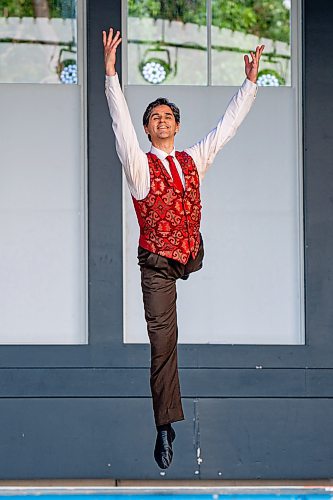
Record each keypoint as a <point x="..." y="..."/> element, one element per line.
<point x="162" y="124"/>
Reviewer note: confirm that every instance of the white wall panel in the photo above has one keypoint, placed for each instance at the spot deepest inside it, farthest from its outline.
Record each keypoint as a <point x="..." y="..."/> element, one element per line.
<point x="42" y="296"/>
<point x="250" y="288"/>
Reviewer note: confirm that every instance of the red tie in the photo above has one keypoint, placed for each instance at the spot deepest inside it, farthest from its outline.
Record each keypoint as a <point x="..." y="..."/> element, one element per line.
<point x="175" y="175"/>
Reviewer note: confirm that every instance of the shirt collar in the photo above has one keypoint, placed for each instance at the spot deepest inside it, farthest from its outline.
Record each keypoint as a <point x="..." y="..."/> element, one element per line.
<point x="161" y="155"/>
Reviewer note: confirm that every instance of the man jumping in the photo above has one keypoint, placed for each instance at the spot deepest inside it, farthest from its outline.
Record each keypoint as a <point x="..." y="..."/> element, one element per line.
<point x="165" y="187"/>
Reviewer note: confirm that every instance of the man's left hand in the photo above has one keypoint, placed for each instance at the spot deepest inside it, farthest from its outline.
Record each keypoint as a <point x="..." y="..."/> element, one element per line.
<point x="252" y="67"/>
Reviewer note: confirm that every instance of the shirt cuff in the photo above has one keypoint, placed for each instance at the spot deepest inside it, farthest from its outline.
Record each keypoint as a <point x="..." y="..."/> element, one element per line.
<point x="111" y="81"/>
<point x="250" y="87"/>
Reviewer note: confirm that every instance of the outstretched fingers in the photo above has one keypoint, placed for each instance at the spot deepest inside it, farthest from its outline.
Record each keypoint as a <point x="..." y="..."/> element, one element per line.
<point x="110" y="35"/>
<point x="107" y="38"/>
<point x="117" y="43"/>
<point x="257" y="54"/>
<point x="110" y="41"/>
<point x="116" y="36"/>
<point x="104" y="38"/>
<point x="259" y="50"/>
<point x="116" y="40"/>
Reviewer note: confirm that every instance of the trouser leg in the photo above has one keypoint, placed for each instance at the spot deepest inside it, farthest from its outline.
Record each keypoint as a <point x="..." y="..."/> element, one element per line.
<point x="159" y="298"/>
<point x="158" y="282"/>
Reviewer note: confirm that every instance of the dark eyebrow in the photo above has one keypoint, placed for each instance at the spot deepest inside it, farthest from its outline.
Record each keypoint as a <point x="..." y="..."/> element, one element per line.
<point x="169" y="113"/>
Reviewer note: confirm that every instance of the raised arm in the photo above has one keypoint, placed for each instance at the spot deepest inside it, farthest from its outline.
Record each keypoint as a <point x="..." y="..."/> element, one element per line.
<point x="133" y="159"/>
<point x="205" y="150"/>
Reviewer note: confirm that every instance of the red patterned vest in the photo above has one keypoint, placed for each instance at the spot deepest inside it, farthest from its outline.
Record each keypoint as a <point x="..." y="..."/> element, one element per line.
<point x="169" y="220"/>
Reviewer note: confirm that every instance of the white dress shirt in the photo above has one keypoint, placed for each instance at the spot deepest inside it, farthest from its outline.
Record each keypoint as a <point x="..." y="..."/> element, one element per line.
<point x="134" y="159"/>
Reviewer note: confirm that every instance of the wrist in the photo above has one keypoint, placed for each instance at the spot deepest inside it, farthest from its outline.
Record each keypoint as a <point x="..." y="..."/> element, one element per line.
<point x="110" y="71"/>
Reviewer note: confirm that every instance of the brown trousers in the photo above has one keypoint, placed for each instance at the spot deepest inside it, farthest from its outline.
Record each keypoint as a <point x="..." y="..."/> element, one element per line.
<point x="158" y="282"/>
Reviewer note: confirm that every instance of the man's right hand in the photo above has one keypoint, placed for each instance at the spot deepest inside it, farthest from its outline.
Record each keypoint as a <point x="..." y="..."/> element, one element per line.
<point x="110" y="43"/>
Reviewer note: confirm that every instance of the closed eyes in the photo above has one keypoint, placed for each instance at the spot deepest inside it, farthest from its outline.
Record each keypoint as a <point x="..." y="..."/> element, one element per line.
<point x="158" y="117"/>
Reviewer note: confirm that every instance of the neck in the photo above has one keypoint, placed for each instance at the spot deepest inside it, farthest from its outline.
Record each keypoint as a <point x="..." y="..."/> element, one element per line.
<point x="166" y="146"/>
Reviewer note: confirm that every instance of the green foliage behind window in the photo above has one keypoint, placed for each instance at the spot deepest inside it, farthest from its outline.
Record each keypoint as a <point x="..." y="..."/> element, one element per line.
<point x="28" y="8"/>
<point x="187" y="11"/>
<point x="263" y="18"/>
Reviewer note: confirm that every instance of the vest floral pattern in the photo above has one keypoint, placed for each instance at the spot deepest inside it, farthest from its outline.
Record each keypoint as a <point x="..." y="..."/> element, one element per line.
<point x="169" y="219"/>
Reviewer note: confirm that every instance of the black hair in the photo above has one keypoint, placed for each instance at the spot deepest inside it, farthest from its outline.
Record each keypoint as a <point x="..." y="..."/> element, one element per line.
<point x="159" y="102"/>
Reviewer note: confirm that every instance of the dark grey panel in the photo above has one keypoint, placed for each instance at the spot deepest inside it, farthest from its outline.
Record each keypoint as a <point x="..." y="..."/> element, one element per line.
<point x="114" y="438"/>
<point x="203" y="356"/>
<point x="319" y="383"/>
<point x="266" y="439"/>
<point x="87" y="438"/>
<point x="203" y="383"/>
<point x="135" y="383"/>
<point x="318" y="181"/>
<point x="104" y="191"/>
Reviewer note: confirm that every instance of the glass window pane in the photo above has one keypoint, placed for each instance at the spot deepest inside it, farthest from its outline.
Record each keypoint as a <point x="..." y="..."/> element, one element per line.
<point x="38" y="41"/>
<point x="167" y="42"/>
<point x="238" y="27"/>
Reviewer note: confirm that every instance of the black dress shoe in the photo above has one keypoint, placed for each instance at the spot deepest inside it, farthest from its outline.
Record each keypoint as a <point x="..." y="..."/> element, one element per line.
<point x="163" y="448"/>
